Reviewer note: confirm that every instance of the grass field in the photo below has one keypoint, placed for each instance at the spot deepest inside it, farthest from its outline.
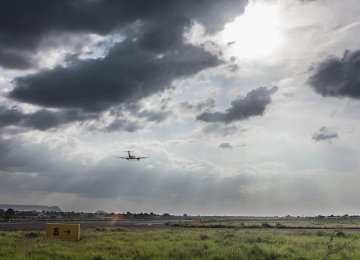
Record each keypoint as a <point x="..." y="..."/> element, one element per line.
<point x="172" y="243"/>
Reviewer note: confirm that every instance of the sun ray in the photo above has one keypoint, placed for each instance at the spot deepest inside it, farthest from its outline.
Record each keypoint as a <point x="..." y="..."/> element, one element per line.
<point x="255" y="34"/>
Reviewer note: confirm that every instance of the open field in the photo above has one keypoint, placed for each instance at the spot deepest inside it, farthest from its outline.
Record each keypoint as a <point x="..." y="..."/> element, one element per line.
<point x="279" y="224"/>
<point x="346" y="224"/>
<point x="318" y="224"/>
<point x="40" y="225"/>
<point x="182" y="243"/>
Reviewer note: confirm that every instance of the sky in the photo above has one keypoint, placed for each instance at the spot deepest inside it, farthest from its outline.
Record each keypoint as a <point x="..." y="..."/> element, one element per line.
<point x="243" y="107"/>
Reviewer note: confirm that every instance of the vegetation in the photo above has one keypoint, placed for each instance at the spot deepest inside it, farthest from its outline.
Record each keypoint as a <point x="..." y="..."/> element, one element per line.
<point x="271" y="224"/>
<point x="8" y="214"/>
<point x="331" y="221"/>
<point x="173" y="243"/>
<point x="15" y="215"/>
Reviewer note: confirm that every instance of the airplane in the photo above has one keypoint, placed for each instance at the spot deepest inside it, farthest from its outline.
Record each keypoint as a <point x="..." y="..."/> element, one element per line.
<point x="132" y="157"/>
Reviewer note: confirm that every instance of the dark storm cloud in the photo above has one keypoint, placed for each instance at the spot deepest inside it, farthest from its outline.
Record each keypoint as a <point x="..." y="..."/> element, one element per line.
<point x="225" y="146"/>
<point x="151" y="57"/>
<point x="135" y="110"/>
<point x="42" y="119"/>
<point x="23" y="23"/>
<point x="132" y="117"/>
<point x="338" y="77"/>
<point x="127" y="73"/>
<point x="253" y="104"/>
<point x="324" y="134"/>
<point x="15" y="59"/>
<point x="158" y="38"/>
<point x="124" y="125"/>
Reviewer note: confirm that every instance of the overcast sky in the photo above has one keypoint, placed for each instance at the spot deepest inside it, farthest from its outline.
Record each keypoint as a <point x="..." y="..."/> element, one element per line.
<point x="244" y="107"/>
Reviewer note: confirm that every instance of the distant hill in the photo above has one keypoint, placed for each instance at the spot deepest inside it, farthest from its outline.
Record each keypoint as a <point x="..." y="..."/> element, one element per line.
<point x="30" y="207"/>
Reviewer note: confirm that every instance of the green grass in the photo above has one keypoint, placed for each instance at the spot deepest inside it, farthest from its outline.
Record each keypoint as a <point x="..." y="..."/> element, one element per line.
<point x="171" y="243"/>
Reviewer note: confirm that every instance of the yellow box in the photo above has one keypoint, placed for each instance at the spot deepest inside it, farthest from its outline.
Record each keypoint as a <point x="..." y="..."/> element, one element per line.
<point x="63" y="231"/>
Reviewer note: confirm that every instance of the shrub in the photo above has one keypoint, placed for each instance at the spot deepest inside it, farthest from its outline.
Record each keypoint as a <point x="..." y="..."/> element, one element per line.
<point x="279" y="225"/>
<point x="31" y="234"/>
<point x="340" y="234"/>
<point x="266" y="225"/>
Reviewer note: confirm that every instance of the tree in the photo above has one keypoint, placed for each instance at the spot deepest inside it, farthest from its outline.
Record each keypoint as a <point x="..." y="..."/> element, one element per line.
<point x="9" y="213"/>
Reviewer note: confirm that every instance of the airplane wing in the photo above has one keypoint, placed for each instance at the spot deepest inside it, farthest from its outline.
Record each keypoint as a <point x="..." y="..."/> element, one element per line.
<point x="141" y="157"/>
<point x="122" y="157"/>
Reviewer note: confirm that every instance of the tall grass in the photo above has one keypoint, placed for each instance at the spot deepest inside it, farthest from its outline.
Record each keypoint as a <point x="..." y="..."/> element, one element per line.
<point x="106" y="243"/>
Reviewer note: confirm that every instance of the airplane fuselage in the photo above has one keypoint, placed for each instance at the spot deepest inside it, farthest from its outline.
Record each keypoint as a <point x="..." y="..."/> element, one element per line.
<point x="132" y="157"/>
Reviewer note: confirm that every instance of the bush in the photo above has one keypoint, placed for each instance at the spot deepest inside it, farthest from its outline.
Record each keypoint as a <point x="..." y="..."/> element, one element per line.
<point x="32" y="234"/>
<point x="9" y="213"/>
<point x="278" y="225"/>
<point x="340" y="234"/>
<point x="266" y="225"/>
